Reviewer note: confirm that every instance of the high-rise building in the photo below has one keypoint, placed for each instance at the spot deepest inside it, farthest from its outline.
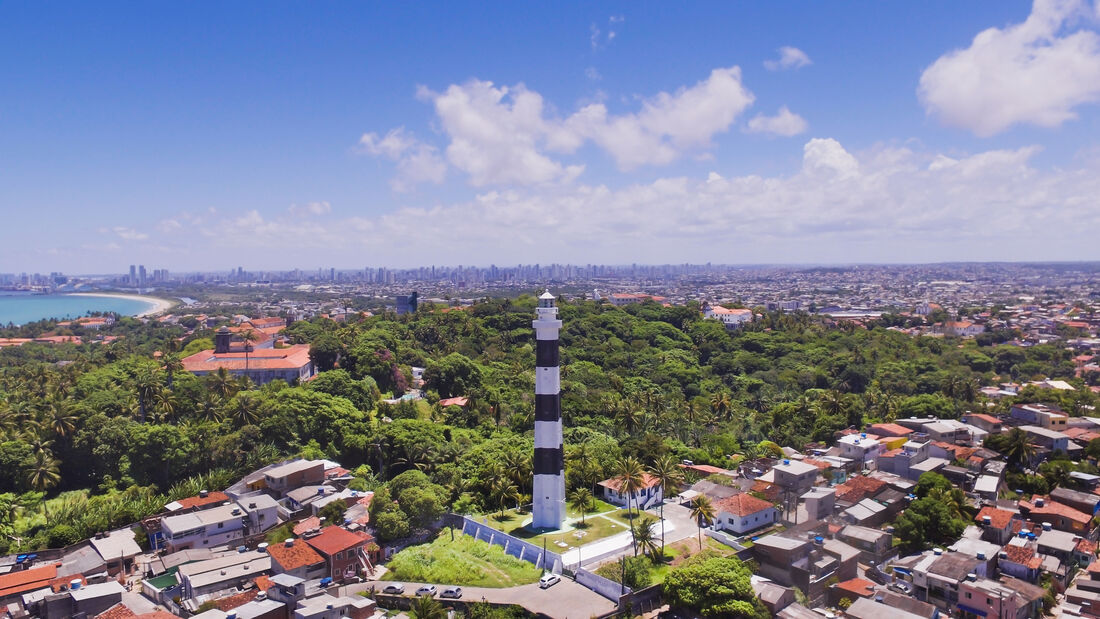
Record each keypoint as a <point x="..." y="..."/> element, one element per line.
<point x="141" y="275"/>
<point x="133" y="275"/>
<point x="548" y="492"/>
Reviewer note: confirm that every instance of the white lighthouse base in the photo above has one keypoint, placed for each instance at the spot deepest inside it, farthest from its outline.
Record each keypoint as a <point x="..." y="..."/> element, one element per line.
<point x="548" y="502"/>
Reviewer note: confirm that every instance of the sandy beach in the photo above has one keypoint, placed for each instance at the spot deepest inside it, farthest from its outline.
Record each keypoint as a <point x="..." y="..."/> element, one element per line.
<point x="162" y="305"/>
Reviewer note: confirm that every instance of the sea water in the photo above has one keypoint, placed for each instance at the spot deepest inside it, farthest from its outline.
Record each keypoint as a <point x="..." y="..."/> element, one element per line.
<point x="23" y="308"/>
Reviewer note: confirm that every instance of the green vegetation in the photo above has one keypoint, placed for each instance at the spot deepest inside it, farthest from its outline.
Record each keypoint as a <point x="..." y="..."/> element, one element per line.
<point x="464" y="561"/>
<point x="714" y="587"/>
<point x="109" y="433"/>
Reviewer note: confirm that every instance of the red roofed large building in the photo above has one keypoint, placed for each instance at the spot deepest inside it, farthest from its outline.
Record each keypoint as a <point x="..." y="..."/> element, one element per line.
<point x="996" y="524"/>
<point x="262" y="365"/>
<point x="743" y="512"/>
<point x="345" y="552"/>
<point x="1062" y="517"/>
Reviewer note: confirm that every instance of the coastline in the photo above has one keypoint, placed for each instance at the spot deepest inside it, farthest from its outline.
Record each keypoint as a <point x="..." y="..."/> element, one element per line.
<point x="160" y="305"/>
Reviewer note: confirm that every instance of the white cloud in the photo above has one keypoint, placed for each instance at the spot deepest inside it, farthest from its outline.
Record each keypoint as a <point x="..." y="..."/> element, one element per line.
<point x="130" y="234"/>
<point x="312" y="208"/>
<point x="789" y="58"/>
<point x="785" y="123"/>
<point x="1035" y="72"/>
<point x="417" y="162"/>
<point x="593" y="74"/>
<point x="667" y="125"/>
<point x="501" y="135"/>
<point x="496" y="134"/>
<point x="884" y="204"/>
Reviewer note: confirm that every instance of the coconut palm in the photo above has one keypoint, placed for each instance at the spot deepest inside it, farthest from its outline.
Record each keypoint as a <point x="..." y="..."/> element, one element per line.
<point x="643" y="533"/>
<point x="245" y="409"/>
<point x="61" y="420"/>
<point x="503" y="490"/>
<point x="955" y="501"/>
<point x="581" y="500"/>
<point x="1018" y="449"/>
<point x="44" y="472"/>
<point x="247" y="336"/>
<point x="720" y="404"/>
<point x="702" y="510"/>
<point x="172" y="364"/>
<point x="222" y="383"/>
<point x="427" y="607"/>
<point x="669" y="475"/>
<point x="146" y="385"/>
<point x="631" y="477"/>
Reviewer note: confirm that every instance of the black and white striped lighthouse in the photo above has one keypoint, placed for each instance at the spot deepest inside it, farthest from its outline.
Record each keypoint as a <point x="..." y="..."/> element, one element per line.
<point x="548" y="493"/>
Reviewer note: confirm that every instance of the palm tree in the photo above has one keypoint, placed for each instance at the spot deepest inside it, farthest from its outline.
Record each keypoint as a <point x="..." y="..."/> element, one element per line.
<point x="1018" y="449"/>
<point x="502" y="491"/>
<point x="427" y="607"/>
<point x="44" y="472"/>
<point x="631" y="477"/>
<point x="720" y="404"/>
<point x="581" y="500"/>
<point x="670" y="476"/>
<point x="146" y="386"/>
<point x="222" y="383"/>
<point x="247" y="336"/>
<point x="61" y="420"/>
<point x="702" y="510"/>
<point x="245" y="409"/>
<point x="643" y="533"/>
<point x="172" y="364"/>
<point x="955" y="501"/>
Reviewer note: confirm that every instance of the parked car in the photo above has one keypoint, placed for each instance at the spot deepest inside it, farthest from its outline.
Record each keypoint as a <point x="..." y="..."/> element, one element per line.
<point x="451" y="592"/>
<point x="396" y="588"/>
<point x="549" y="580"/>
<point x="426" y="590"/>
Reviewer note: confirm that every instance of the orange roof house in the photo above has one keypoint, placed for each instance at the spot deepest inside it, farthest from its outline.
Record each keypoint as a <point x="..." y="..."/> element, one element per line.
<point x="262" y="365"/>
<point x="16" y="583"/>
<point x="295" y="559"/>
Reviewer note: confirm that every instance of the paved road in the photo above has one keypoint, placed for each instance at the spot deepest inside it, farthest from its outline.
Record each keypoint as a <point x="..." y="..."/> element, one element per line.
<point x="566" y="599"/>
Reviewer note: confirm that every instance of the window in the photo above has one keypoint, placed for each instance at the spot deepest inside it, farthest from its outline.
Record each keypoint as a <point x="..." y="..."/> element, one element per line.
<point x="221" y="525"/>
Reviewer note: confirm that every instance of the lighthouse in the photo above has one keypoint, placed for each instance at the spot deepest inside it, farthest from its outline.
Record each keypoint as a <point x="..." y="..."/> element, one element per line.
<point x="548" y="493"/>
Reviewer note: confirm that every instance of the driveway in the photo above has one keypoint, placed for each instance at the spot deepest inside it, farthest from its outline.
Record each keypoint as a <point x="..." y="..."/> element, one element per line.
<point x="566" y="599"/>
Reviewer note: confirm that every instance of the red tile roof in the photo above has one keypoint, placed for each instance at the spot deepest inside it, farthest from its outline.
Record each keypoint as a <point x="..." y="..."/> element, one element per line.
<point x="157" y="614"/>
<point x="891" y="428"/>
<point x="263" y="583"/>
<point x="293" y="557"/>
<point x="985" y="418"/>
<point x="27" y="580"/>
<point x="704" y="468"/>
<point x="240" y="599"/>
<point x="459" y="401"/>
<point x="1021" y="555"/>
<point x="858" y="488"/>
<point x="857" y="586"/>
<point x="999" y="518"/>
<point x="118" y="611"/>
<point x="613" y="483"/>
<point x="742" y="505"/>
<point x="212" y="498"/>
<point x="335" y="539"/>
<point x="291" y="357"/>
<point x="1055" y="508"/>
<point x="313" y="522"/>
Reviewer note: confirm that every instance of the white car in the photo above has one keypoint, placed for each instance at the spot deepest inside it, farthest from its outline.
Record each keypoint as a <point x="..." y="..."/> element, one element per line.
<point x="549" y="580"/>
<point x="426" y="590"/>
<point x="396" y="589"/>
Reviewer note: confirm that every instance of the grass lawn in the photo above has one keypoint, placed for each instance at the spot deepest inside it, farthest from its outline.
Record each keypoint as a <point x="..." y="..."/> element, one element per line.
<point x="465" y="561"/>
<point x="604" y="520"/>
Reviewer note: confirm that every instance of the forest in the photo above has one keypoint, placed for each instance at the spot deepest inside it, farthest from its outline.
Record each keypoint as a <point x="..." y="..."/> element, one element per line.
<point x="102" y="434"/>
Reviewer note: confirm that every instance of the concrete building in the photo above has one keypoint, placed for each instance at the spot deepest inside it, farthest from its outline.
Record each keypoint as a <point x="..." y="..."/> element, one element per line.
<point x="1009" y="598"/>
<point x="731" y="318"/>
<point x="647" y="496"/>
<point x="212" y="575"/>
<point x="345" y="552"/>
<point x="286" y="477"/>
<point x="548" y="490"/>
<point x="743" y="513"/>
<point x="1040" y="415"/>
<point x="261" y="365"/>
<point x="873" y="544"/>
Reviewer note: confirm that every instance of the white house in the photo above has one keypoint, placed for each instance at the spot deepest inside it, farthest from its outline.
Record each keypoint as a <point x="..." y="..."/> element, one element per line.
<point x="220" y="526"/>
<point x="743" y="512"/>
<point x="732" y="318"/>
<point x="647" y="496"/>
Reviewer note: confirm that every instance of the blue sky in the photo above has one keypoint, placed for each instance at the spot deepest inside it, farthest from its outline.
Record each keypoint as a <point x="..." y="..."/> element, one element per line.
<point x="281" y="135"/>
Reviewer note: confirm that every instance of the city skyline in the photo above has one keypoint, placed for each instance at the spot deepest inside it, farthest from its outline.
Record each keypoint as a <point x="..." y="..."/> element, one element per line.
<point x="400" y="137"/>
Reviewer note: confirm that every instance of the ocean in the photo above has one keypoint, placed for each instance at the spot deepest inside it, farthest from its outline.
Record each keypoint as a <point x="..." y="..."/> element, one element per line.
<point x="23" y="308"/>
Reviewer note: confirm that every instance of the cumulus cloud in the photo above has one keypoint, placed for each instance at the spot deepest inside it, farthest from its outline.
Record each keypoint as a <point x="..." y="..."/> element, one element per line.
<point x="1036" y="72"/>
<point x="130" y="234"/>
<point x="885" y="203"/>
<point x="785" y="123"/>
<point x="417" y="162"/>
<point x="789" y="58"/>
<point x="508" y="135"/>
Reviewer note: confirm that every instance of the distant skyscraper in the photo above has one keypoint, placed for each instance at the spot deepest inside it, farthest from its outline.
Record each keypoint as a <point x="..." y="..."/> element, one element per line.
<point x="548" y="493"/>
<point x="141" y="275"/>
<point x="133" y="275"/>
